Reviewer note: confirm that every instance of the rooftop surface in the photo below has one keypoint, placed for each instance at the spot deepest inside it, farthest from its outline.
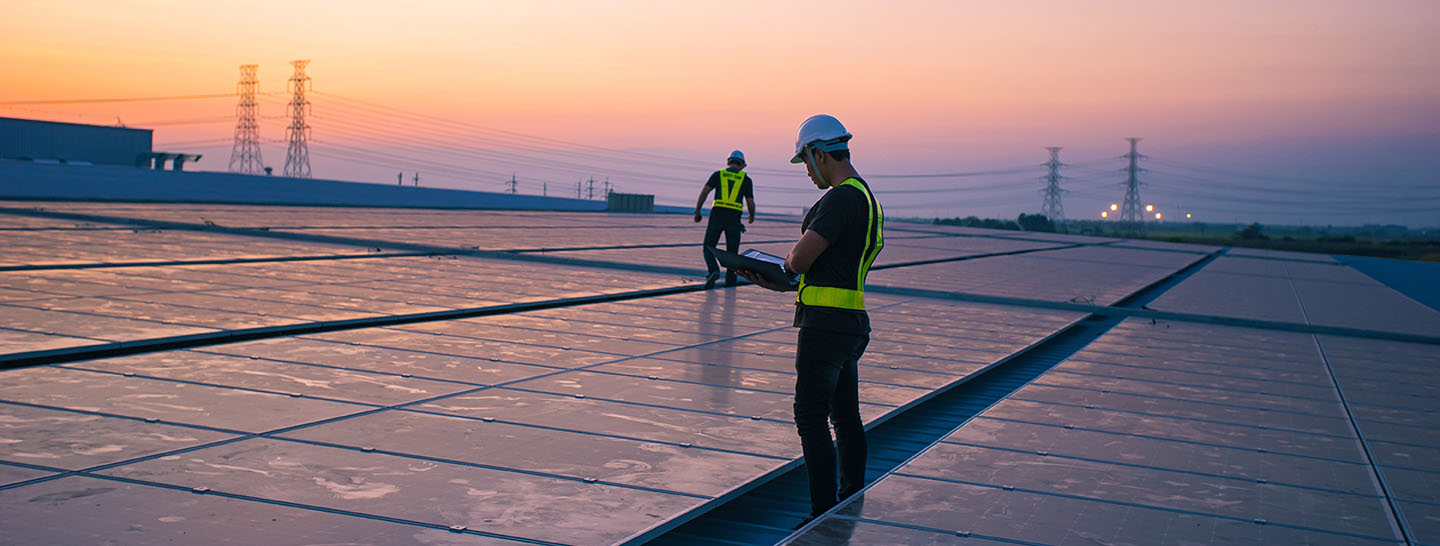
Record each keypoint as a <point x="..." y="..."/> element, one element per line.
<point x="188" y="373"/>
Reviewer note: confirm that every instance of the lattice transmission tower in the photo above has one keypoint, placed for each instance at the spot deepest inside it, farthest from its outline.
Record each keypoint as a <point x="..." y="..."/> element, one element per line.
<point x="1131" y="216"/>
<point x="297" y="153"/>
<point x="245" y="154"/>
<point x="1052" y="208"/>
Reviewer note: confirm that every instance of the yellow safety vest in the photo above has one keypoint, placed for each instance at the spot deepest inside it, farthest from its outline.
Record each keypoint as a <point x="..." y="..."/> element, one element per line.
<point x="851" y="298"/>
<point x="728" y="194"/>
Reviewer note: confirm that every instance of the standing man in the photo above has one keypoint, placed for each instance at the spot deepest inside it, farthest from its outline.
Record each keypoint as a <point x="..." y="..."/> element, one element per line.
<point x="730" y="184"/>
<point x="840" y="238"/>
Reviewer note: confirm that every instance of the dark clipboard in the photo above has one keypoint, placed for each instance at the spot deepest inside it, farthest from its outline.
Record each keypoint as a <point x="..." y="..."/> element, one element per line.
<point x="767" y="265"/>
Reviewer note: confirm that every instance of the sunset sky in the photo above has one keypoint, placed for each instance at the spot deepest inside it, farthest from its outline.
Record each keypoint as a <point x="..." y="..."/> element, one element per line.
<point x="1278" y="111"/>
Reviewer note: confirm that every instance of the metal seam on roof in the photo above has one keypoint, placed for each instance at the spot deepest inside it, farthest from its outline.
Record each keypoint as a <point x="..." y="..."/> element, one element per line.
<point x="949" y="532"/>
<point x="1091" y="360"/>
<point x="363" y="370"/>
<point x="73" y="366"/>
<point x="1164" y="469"/>
<point x="217" y="261"/>
<point x="1176" y="383"/>
<point x="1396" y="515"/>
<point x="1172" y="440"/>
<point x="1189" y="400"/>
<point x="601" y="434"/>
<point x="498" y="468"/>
<point x="1143" y="506"/>
<point x="751" y="389"/>
<point x="319" y="508"/>
<point x="1181" y="418"/>
<point x="30" y="358"/>
<point x="646" y="404"/>
<point x="499" y="254"/>
<point x="1159" y="315"/>
<point x="628" y="247"/>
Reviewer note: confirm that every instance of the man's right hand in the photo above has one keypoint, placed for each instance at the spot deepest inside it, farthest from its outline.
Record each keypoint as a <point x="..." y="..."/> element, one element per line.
<point x="697" y="216"/>
<point x="762" y="281"/>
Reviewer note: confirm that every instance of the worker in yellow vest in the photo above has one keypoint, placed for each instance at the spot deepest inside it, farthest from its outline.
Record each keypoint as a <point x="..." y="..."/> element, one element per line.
<point x="840" y="238"/>
<point x="730" y="185"/>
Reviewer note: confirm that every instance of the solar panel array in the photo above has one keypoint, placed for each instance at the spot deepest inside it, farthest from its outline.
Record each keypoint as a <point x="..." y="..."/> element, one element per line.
<point x="295" y="375"/>
<point x="1182" y="433"/>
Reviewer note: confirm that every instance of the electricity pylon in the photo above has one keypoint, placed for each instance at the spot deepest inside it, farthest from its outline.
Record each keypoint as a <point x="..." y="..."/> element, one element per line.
<point x="245" y="153"/>
<point x="1052" y="208"/>
<point x="297" y="153"/>
<point x="1131" y="216"/>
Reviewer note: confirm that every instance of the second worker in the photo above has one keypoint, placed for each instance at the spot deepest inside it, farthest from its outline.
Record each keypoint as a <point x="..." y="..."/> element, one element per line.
<point x="730" y="185"/>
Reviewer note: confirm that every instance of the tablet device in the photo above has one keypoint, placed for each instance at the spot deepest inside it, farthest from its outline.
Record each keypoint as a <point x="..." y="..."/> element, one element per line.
<point x="768" y="265"/>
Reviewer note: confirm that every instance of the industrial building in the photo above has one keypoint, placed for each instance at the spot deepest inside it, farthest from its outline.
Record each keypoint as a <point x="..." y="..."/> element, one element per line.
<point x="84" y="145"/>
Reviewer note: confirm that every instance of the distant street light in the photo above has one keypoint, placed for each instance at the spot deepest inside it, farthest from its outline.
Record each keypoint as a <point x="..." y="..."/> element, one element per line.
<point x="1149" y="208"/>
<point x="1157" y="216"/>
<point x="1114" y="206"/>
<point x="1104" y="214"/>
<point x="1187" y="216"/>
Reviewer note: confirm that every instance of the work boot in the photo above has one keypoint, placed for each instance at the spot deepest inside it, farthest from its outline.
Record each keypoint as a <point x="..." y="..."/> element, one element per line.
<point x="711" y="278"/>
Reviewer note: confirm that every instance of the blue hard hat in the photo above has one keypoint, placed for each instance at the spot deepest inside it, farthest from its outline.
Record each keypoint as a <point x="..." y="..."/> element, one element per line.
<point x="736" y="155"/>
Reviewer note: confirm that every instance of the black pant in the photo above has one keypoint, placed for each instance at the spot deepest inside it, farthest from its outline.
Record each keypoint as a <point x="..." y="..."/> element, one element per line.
<point x="827" y="388"/>
<point x="731" y="228"/>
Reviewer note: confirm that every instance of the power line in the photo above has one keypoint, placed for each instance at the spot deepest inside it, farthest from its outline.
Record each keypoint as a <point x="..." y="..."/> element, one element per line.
<point x="124" y="99"/>
<point x="965" y="174"/>
<point x="1290" y="195"/>
<point x="1267" y="186"/>
<point x="198" y="142"/>
<point x="579" y="150"/>
<point x="533" y="139"/>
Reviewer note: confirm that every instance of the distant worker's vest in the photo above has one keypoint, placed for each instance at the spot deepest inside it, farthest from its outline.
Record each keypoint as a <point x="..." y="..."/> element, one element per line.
<point x="851" y="298"/>
<point x="729" y="195"/>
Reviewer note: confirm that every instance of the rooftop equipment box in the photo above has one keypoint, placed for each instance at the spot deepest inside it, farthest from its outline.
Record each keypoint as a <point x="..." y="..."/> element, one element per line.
<point x="630" y="202"/>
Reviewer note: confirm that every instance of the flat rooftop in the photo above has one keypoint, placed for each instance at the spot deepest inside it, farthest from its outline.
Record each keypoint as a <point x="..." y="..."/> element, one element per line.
<point x="190" y="373"/>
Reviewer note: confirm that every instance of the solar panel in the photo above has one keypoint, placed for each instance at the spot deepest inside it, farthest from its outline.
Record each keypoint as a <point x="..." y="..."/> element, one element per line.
<point x="444" y="413"/>
<point x="1088" y="452"/>
<point x="1307" y="292"/>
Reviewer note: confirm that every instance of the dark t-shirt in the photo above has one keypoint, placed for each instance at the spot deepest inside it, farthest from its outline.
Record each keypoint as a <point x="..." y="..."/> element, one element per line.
<point x="840" y="216"/>
<point x="722" y="214"/>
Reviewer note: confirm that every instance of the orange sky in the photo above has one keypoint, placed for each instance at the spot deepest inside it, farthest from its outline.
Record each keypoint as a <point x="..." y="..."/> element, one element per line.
<point x="926" y="86"/>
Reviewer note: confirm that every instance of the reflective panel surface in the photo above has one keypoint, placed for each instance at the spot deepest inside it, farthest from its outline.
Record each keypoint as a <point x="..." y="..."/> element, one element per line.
<point x="324" y="400"/>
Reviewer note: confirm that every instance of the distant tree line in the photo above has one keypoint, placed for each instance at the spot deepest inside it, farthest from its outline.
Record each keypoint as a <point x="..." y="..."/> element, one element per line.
<point x="1356" y="241"/>
<point x="1025" y="222"/>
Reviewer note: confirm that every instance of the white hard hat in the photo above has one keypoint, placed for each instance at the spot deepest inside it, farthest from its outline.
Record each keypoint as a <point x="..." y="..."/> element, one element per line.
<point x="737" y="155"/>
<point x="824" y="130"/>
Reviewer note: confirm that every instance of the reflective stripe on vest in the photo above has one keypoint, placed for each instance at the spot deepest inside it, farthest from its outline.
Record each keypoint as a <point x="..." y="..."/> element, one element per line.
<point x="848" y="298"/>
<point x="728" y="196"/>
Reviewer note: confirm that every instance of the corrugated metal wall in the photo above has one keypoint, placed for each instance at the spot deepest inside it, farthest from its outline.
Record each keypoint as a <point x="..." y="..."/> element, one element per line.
<point x="30" y="180"/>
<point x="72" y="142"/>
